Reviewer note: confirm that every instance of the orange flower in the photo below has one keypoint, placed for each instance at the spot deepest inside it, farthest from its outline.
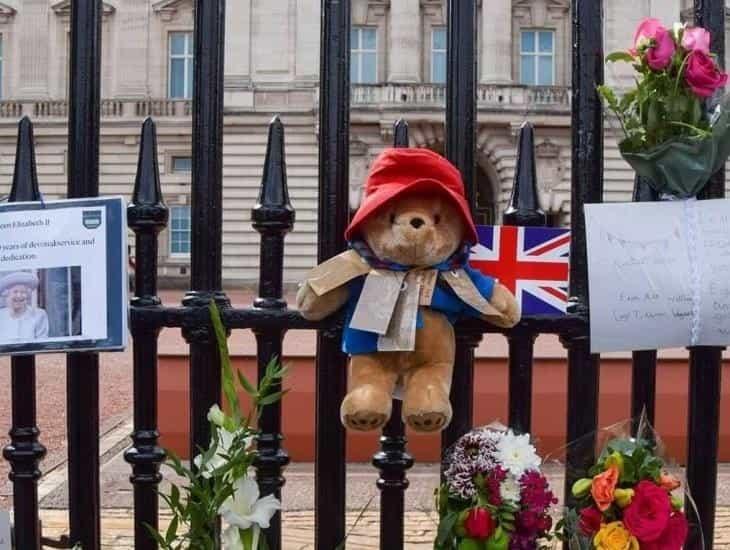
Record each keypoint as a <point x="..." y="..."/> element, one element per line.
<point x="603" y="488"/>
<point x="668" y="482"/>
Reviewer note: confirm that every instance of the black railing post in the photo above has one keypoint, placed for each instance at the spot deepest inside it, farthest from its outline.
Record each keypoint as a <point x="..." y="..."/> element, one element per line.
<point x="273" y="218"/>
<point x="643" y="363"/>
<point x="705" y="363"/>
<point x="206" y="214"/>
<point x="587" y="187"/>
<point x="24" y="451"/>
<point x="523" y="210"/>
<point x="147" y="215"/>
<point x="392" y="460"/>
<point x="331" y="371"/>
<point x="461" y="150"/>
<point x="82" y="381"/>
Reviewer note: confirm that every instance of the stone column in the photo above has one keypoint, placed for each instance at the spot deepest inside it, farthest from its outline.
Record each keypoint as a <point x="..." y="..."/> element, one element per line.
<point x="131" y="55"/>
<point x="667" y="11"/>
<point x="33" y="51"/>
<point x="307" y="46"/>
<point x="238" y="43"/>
<point x="404" y="48"/>
<point x="496" y="56"/>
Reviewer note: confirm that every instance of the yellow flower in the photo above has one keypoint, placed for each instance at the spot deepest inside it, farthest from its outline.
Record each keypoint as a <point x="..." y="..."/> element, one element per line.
<point x="613" y="536"/>
<point x="623" y="497"/>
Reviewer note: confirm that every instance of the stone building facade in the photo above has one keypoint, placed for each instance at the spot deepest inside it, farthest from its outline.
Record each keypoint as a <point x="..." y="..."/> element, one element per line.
<point x="272" y="64"/>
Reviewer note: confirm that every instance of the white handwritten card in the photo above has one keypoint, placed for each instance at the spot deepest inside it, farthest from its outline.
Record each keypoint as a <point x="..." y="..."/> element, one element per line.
<point x="659" y="274"/>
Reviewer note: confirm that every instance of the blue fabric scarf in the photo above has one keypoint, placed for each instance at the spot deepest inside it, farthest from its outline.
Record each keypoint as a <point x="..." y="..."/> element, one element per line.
<point x="456" y="261"/>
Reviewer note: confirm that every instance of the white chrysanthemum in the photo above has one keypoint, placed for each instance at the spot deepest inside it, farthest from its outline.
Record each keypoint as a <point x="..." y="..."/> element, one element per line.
<point x="509" y="489"/>
<point x="516" y="454"/>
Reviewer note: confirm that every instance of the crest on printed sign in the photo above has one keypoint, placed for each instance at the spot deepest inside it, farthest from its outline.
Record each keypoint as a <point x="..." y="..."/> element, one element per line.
<point x="91" y="219"/>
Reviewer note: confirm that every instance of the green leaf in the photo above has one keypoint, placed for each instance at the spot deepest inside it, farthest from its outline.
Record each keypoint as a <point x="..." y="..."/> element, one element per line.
<point x="229" y="390"/>
<point x="245" y="384"/>
<point x="470" y="544"/>
<point x="620" y="56"/>
<point x="272" y="398"/>
<point x="171" y="532"/>
<point x="446" y="528"/>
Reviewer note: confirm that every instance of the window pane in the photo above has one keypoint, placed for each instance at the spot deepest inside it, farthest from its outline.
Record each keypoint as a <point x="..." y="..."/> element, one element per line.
<point x="439" y="68"/>
<point x="369" y="66"/>
<point x="527" y="70"/>
<point x="355" y="39"/>
<point x="180" y="230"/>
<point x="545" y="70"/>
<point x="368" y="39"/>
<point x="528" y="41"/>
<point x="189" y="88"/>
<point x="355" y="68"/>
<point x="177" y="43"/>
<point x="177" y="78"/>
<point x="182" y="164"/>
<point x="546" y="41"/>
<point x="439" y="39"/>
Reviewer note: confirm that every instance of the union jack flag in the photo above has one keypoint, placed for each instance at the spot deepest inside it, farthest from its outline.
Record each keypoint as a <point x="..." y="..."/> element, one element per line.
<point x="531" y="261"/>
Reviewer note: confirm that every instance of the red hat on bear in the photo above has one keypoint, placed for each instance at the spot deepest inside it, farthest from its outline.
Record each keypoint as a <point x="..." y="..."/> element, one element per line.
<point x="402" y="170"/>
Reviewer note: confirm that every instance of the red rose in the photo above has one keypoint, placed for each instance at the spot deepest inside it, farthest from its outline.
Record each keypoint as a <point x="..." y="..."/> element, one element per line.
<point x="673" y="536"/>
<point x="702" y="74"/>
<point x="479" y="524"/>
<point x="648" y="514"/>
<point x="590" y="520"/>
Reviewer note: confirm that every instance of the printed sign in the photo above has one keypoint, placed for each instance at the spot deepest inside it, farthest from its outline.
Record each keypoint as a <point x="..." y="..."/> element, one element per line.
<point x="659" y="274"/>
<point x="532" y="262"/>
<point x="63" y="282"/>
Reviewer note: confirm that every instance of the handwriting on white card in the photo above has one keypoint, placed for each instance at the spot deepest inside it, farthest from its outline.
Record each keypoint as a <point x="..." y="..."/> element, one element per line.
<point x="659" y="274"/>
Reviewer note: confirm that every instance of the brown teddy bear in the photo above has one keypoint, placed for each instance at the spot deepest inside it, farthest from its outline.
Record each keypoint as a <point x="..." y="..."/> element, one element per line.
<point x="404" y="281"/>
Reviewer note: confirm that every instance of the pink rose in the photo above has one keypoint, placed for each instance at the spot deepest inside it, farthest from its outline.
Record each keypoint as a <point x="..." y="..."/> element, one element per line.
<point x="702" y="74"/>
<point x="661" y="44"/>
<point x="696" y="39"/>
<point x="659" y="57"/>
<point x="646" y="31"/>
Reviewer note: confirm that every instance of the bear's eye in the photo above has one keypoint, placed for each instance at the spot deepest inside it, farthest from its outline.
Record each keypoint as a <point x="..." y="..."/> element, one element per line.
<point x="392" y="219"/>
<point x="437" y="219"/>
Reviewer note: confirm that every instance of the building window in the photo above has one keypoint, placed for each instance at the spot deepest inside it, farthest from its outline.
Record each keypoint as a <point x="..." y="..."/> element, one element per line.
<point x="438" y="55"/>
<point x="182" y="165"/>
<point x="537" y="58"/>
<point x="181" y="65"/>
<point x="363" y="55"/>
<point x="180" y="230"/>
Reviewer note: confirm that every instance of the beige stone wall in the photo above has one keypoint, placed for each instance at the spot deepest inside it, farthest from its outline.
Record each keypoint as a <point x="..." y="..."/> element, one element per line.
<point x="272" y="65"/>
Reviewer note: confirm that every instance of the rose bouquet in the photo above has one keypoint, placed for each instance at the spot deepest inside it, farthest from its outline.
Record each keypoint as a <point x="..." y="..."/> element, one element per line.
<point x="667" y="137"/>
<point x="494" y="496"/>
<point x="628" y="503"/>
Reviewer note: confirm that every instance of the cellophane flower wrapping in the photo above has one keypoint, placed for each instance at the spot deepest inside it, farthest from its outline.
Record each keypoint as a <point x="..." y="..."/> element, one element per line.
<point x="494" y="496"/>
<point x="632" y="498"/>
<point x="681" y="166"/>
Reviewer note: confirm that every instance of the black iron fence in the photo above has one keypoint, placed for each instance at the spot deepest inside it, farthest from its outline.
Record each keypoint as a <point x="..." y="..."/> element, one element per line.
<point x="269" y="317"/>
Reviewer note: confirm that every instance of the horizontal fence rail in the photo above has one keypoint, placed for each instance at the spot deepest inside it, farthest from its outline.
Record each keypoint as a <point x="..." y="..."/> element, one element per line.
<point x="270" y="318"/>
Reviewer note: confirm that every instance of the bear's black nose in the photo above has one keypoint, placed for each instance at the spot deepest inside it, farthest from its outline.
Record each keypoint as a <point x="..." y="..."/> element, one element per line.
<point x="417" y="222"/>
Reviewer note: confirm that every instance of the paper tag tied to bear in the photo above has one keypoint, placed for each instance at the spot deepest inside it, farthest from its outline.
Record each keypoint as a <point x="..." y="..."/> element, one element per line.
<point x="380" y="294"/>
<point x="401" y="335"/>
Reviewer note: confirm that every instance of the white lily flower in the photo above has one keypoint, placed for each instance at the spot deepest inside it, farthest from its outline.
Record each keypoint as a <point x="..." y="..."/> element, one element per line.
<point x="244" y="509"/>
<point x="216" y="416"/>
<point x="225" y="440"/>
